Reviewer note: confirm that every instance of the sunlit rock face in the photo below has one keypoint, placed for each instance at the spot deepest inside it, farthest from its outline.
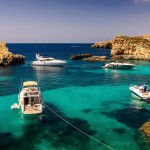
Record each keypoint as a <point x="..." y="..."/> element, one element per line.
<point x="126" y="47"/>
<point x="103" y="44"/>
<point x="7" y="58"/>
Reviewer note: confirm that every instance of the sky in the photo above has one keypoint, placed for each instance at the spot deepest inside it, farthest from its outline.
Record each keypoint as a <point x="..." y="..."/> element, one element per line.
<point x="72" y="21"/>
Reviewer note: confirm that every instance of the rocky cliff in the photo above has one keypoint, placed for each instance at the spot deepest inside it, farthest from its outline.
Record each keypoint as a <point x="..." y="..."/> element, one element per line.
<point x="103" y="44"/>
<point x="126" y="47"/>
<point x="7" y="58"/>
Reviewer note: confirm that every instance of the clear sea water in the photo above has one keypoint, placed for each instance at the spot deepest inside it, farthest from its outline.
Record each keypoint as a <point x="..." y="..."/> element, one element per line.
<point x="95" y="100"/>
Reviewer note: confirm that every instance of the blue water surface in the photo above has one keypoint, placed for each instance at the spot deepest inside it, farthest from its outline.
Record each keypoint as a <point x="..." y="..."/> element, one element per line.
<point x="94" y="99"/>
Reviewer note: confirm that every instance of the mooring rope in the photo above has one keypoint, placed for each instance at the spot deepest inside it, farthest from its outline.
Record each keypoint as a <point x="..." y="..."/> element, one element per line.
<point x="79" y="129"/>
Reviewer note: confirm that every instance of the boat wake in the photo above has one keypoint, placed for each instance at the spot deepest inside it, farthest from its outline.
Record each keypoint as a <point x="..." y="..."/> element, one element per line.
<point x="137" y="104"/>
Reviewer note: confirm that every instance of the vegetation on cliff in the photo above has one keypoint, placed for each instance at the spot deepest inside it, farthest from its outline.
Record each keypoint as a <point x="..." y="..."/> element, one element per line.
<point x="7" y="58"/>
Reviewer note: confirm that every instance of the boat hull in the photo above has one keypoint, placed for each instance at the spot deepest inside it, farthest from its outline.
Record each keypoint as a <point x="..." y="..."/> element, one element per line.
<point x="30" y="98"/>
<point x="138" y="96"/>
<point x="44" y="63"/>
<point x="125" y="67"/>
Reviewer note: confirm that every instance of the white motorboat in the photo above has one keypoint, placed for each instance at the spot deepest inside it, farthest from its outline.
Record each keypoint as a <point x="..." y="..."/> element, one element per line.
<point x="47" y="61"/>
<point x="118" y="65"/>
<point x="30" y="98"/>
<point x="140" y="92"/>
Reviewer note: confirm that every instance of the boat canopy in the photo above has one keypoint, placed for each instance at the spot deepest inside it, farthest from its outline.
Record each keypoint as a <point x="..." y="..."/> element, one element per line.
<point x="30" y="83"/>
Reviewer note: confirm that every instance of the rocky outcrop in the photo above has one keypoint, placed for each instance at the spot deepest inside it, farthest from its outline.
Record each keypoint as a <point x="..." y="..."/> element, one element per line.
<point x="142" y="136"/>
<point x="103" y="44"/>
<point x="145" y="129"/>
<point x="80" y="56"/>
<point x="136" y="48"/>
<point x="7" y="58"/>
<point x="96" y="58"/>
<point x="88" y="57"/>
<point x="126" y="47"/>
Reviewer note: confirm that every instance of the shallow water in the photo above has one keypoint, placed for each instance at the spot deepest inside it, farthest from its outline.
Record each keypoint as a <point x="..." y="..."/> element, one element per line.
<point x="96" y="100"/>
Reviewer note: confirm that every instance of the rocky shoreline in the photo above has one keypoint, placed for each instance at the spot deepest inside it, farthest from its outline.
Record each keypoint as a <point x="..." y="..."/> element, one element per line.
<point x="126" y="47"/>
<point x="88" y="57"/>
<point x="7" y="58"/>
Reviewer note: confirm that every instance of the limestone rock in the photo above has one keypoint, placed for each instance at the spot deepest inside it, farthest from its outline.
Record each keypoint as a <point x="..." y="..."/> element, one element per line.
<point x="103" y="44"/>
<point x="7" y="58"/>
<point x="80" y="56"/>
<point x="96" y="58"/>
<point x="142" y="136"/>
<point x="88" y="57"/>
<point x="126" y="47"/>
<point x="145" y="129"/>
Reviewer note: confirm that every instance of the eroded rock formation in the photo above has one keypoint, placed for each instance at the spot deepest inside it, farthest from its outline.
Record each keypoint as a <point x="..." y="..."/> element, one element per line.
<point x="103" y="44"/>
<point x="96" y="58"/>
<point x="88" y="57"/>
<point x="80" y="56"/>
<point x="7" y="58"/>
<point x="126" y="47"/>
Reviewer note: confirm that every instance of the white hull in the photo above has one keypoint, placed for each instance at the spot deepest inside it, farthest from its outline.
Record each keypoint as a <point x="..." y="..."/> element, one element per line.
<point x="49" y="63"/>
<point x="139" y="93"/>
<point x="135" y="96"/>
<point x="116" y="65"/>
<point x="30" y="98"/>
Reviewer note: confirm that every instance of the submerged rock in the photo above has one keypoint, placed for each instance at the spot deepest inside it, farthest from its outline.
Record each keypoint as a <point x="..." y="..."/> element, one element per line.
<point x="142" y="136"/>
<point x="145" y="129"/>
<point x="7" y="58"/>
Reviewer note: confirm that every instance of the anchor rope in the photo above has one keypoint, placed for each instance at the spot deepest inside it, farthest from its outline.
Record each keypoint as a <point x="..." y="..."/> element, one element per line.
<point x="79" y="129"/>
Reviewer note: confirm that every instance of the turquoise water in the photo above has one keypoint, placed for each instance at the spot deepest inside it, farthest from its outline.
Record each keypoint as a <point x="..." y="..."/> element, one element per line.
<point x="96" y="100"/>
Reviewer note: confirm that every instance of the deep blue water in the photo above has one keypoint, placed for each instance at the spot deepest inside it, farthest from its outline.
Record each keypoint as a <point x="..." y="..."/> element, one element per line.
<point x="96" y="100"/>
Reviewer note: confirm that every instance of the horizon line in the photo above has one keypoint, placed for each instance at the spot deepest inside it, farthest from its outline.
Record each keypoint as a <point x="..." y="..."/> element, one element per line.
<point x="49" y="43"/>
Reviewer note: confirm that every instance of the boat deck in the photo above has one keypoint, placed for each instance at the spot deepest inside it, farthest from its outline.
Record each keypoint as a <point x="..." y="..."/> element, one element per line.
<point x="32" y="110"/>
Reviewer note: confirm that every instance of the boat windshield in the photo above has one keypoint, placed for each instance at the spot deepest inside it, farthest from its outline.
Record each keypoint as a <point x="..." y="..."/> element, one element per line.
<point x="143" y="88"/>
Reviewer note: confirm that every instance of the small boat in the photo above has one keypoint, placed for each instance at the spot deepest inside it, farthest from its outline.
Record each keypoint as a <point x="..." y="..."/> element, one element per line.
<point x="30" y="98"/>
<point x="140" y="92"/>
<point x="118" y="65"/>
<point x="47" y="61"/>
<point x="15" y="106"/>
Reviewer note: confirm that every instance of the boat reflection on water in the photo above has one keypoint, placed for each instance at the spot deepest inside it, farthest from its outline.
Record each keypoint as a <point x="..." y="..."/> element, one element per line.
<point x="42" y="72"/>
<point x="137" y="104"/>
<point x="44" y="69"/>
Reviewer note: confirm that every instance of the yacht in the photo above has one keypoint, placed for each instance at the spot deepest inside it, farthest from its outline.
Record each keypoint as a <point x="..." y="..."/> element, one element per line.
<point x="47" y="61"/>
<point x="30" y="98"/>
<point x="140" y="92"/>
<point x="118" y="65"/>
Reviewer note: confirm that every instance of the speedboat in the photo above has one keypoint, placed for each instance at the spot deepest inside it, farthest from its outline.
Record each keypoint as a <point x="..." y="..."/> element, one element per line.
<point x="140" y="92"/>
<point x="47" y="61"/>
<point x="118" y="65"/>
<point x="30" y="98"/>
